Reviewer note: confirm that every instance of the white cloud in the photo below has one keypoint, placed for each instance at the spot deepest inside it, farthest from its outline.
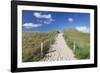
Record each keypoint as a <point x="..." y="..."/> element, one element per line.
<point x="47" y="22"/>
<point x="40" y="15"/>
<point x="51" y="20"/>
<point x="31" y="25"/>
<point x="70" y="19"/>
<point x="83" y="29"/>
<point x="44" y="18"/>
<point x="44" y="21"/>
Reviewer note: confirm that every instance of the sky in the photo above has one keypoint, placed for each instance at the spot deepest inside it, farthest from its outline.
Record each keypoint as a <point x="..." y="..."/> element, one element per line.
<point x="44" y="21"/>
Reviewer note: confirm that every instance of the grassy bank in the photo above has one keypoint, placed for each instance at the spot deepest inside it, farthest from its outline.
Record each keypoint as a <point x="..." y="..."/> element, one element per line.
<point x="82" y="42"/>
<point x="31" y="44"/>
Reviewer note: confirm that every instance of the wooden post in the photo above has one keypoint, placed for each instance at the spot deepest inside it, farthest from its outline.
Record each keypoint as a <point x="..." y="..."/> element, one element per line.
<point x="50" y="41"/>
<point x="74" y="46"/>
<point x="41" y="48"/>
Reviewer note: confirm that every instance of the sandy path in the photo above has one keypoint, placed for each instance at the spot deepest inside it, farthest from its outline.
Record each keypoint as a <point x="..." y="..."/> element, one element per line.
<point x="59" y="50"/>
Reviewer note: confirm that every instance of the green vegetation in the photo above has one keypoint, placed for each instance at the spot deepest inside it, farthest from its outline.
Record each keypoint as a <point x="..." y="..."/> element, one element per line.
<point x="31" y="44"/>
<point x="82" y="42"/>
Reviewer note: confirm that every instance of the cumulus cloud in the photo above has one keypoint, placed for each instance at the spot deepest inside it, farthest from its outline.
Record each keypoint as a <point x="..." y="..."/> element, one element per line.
<point x="43" y="18"/>
<point x="83" y="29"/>
<point x="70" y="19"/>
<point x="31" y="25"/>
<point x="40" y="15"/>
<point x="45" y="21"/>
<point x="48" y="21"/>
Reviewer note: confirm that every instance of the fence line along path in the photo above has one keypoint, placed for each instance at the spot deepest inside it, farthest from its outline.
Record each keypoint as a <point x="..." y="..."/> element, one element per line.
<point x="59" y="50"/>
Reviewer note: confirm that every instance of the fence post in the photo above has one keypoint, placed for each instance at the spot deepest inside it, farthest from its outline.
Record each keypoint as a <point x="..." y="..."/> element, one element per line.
<point x="50" y="41"/>
<point x="74" y="46"/>
<point x="41" y="48"/>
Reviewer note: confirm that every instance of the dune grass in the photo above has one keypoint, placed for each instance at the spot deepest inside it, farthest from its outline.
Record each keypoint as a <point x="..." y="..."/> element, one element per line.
<point x="82" y="42"/>
<point x="31" y="45"/>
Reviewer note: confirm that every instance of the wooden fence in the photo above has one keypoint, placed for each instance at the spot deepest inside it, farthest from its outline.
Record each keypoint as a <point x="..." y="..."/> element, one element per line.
<point x="46" y="43"/>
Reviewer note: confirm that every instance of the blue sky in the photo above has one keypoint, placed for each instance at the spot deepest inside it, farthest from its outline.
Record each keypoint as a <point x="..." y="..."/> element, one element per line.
<point x="47" y="21"/>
